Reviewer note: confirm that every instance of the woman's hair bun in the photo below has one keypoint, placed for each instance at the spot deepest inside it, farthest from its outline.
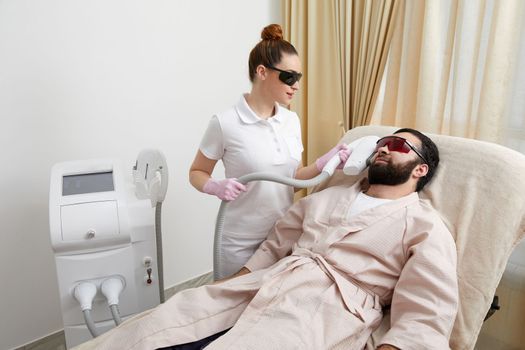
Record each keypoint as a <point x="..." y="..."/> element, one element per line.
<point x="272" y="32"/>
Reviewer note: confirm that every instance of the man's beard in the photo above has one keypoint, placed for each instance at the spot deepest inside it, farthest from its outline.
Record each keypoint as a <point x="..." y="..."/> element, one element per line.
<point x="390" y="174"/>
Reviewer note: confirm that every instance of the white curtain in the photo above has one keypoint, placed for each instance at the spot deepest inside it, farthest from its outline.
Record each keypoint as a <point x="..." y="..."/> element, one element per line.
<point x="343" y="45"/>
<point x="457" y="67"/>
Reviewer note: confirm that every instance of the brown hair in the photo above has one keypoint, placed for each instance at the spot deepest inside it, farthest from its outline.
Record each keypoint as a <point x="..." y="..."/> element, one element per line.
<point x="270" y="49"/>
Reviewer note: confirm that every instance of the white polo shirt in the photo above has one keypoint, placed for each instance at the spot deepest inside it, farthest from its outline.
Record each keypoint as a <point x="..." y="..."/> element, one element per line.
<point x="247" y="144"/>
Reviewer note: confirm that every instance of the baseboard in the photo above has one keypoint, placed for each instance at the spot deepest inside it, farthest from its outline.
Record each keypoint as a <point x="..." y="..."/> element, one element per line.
<point x="57" y="340"/>
<point x="53" y="341"/>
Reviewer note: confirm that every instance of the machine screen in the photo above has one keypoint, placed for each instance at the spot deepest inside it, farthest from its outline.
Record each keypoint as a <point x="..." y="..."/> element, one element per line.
<point x="87" y="183"/>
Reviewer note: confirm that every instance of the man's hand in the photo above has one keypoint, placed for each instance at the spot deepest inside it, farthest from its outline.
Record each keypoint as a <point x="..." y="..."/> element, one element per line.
<point x="241" y="272"/>
<point x="387" y="347"/>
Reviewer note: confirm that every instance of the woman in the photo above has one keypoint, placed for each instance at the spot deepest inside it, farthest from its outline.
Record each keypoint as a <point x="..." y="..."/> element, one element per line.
<point x="257" y="135"/>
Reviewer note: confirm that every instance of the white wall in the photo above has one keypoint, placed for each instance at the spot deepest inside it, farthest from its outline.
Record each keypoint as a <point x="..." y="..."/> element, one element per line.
<point x="99" y="78"/>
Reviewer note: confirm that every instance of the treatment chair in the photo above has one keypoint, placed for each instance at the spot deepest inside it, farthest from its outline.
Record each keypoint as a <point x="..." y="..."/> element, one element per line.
<point x="479" y="190"/>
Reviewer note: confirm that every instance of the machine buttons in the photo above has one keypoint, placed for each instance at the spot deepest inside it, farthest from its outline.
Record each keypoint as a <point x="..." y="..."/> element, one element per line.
<point x="90" y="234"/>
<point x="147" y="261"/>
<point x="149" y="280"/>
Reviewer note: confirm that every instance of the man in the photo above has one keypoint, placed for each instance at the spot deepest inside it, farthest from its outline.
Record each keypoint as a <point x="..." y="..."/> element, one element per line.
<point x="327" y="269"/>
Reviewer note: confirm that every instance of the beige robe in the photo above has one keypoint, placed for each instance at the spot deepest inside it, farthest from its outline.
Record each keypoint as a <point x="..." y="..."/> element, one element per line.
<point x="319" y="282"/>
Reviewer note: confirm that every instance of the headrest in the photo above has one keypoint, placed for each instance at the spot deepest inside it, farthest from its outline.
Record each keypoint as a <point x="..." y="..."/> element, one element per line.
<point x="479" y="190"/>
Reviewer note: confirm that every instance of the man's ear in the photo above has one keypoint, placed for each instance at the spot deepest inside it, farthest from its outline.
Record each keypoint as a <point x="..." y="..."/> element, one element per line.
<point x="420" y="170"/>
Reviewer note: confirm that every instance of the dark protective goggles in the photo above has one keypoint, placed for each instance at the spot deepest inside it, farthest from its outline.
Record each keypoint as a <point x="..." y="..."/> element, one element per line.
<point x="397" y="144"/>
<point x="287" y="77"/>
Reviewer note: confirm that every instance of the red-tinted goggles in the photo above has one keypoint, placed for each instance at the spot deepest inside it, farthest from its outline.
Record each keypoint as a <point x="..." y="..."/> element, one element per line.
<point x="397" y="144"/>
<point x="287" y="77"/>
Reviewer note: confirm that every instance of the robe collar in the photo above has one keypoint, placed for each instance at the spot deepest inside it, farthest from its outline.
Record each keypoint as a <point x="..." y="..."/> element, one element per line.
<point x="369" y="216"/>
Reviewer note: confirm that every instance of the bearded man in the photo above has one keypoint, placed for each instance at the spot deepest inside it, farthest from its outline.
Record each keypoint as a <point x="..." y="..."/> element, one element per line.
<point x="326" y="271"/>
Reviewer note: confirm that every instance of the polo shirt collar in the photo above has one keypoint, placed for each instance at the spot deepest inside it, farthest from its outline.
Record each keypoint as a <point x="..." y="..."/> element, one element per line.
<point x="248" y="116"/>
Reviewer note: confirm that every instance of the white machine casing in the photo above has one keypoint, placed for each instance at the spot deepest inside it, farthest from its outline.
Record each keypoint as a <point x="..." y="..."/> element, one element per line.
<point x="104" y="233"/>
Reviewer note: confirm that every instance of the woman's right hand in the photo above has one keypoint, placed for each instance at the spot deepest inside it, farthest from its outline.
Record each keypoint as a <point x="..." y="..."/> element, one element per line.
<point x="226" y="189"/>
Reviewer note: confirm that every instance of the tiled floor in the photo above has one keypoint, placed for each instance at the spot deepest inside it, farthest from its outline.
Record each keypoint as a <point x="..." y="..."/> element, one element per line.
<point x="505" y="330"/>
<point x="486" y="342"/>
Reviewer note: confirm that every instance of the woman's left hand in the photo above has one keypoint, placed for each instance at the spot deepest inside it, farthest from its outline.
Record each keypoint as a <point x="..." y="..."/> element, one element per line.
<point x="344" y="153"/>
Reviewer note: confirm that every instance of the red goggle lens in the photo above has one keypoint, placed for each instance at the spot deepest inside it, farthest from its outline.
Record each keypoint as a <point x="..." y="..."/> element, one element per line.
<point x="394" y="144"/>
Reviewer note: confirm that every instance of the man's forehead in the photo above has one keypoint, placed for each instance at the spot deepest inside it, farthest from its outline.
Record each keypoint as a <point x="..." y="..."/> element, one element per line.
<point x="414" y="140"/>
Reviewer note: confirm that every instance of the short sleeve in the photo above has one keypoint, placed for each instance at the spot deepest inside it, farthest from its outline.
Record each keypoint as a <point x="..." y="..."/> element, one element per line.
<point x="212" y="143"/>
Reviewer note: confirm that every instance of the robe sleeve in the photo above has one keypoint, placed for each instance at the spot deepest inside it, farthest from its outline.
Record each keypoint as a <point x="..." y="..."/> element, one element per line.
<point x="425" y="299"/>
<point x="281" y="238"/>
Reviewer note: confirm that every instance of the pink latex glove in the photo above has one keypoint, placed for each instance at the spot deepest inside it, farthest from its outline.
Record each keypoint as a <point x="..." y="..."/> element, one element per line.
<point x="226" y="189"/>
<point x="344" y="153"/>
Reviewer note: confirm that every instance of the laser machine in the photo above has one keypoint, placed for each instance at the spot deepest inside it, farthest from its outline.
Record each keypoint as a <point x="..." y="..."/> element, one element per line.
<point x="105" y="234"/>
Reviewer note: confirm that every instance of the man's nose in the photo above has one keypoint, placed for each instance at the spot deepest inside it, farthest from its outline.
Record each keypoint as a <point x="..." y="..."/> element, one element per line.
<point x="383" y="150"/>
<point x="295" y="86"/>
